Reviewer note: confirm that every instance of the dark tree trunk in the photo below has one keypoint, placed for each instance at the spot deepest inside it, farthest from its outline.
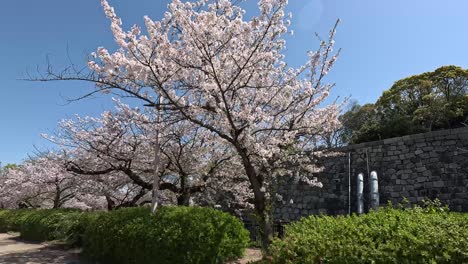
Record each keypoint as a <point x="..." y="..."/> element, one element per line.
<point x="24" y="205"/>
<point x="260" y="201"/>
<point x="264" y="219"/>
<point x="57" y="202"/>
<point x="110" y="203"/>
<point x="183" y="199"/>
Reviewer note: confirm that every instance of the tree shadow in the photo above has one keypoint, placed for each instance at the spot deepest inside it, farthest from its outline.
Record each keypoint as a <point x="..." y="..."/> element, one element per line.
<point x="46" y="255"/>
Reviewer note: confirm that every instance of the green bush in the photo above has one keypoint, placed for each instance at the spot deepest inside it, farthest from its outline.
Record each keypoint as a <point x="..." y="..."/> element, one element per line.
<point x="10" y="220"/>
<point x="387" y="236"/>
<point x="173" y="235"/>
<point x="133" y="235"/>
<point x="39" y="225"/>
<point x="64" y="224"/>
<point x="76" y="226"/>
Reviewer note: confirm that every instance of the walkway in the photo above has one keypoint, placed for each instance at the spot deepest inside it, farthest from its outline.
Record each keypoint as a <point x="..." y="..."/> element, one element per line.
<point x="13" y="250"/>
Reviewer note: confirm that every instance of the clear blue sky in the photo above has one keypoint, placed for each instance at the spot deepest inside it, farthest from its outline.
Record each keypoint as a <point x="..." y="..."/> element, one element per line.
<point x="382" y="41"/>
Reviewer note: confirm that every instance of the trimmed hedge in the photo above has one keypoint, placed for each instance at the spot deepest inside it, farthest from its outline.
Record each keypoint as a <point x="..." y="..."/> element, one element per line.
<point x="47" y="225"/>
<point x="173" y="235"/>
<point x="39" y="225"/>
<point x="133" y="235"/>
<point x="9" y="220"/>
<point x="386" y="236"/>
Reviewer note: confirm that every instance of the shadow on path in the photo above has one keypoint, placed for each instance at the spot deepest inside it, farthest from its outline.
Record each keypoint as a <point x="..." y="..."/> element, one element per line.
<point x="14" y="250"/>
<point x="41" y="256"/>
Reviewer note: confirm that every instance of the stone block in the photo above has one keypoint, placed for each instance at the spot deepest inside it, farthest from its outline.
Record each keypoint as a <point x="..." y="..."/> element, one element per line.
<point x="404" y="194"/>
<point x="428" y="185"/>
<point x="421" y="169"/>
<point x="450" y="142"/>
<point x="462" y="196"/>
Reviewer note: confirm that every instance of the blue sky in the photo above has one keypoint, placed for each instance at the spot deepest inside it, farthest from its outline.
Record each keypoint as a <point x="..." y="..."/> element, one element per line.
<point x="381" y="41"/>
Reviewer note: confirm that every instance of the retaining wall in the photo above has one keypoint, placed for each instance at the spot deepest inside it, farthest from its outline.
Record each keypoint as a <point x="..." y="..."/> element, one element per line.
<point x="430" y="165"/>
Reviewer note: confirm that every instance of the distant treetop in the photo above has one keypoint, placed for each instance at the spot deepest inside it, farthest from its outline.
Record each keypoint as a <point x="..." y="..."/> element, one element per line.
<point x="416" y="104"/>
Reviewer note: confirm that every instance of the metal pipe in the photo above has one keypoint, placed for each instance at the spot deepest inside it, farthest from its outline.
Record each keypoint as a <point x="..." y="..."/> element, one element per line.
<point x="367" y="161"/>
<point x="374" y="190"/>
<point x="349" y="183"/>
<point x="360" y="193"/>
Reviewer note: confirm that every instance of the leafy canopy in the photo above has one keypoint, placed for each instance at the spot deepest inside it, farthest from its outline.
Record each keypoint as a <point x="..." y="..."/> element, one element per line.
<point x="416" y="104"/>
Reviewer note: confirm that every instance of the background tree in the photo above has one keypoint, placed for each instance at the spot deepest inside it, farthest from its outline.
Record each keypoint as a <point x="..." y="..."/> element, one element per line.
<point x="359" y="122"/>
<point x="420" y="103"/>
<point x="41" y="181"/>
<point x="8" y="166"/>
<point x="116" y="149"/>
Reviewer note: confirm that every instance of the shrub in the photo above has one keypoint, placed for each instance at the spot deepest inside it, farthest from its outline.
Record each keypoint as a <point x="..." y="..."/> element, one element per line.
<point x="173" y="235"/>
<point x="39" y="225"/>
<point x="386" y="236"/>
<point x="76" y="225"/>
<point x="64" y="225"/>
<point x="132" y="235"/>
<point x="5" y="221"/>
<point x="10" y="220"/>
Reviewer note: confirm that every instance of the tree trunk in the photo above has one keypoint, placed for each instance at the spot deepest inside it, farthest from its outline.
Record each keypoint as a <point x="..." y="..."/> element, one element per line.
<point x="57" y="197"/>
<point x="260" y="201"/>
<point x="266" y="229"/>
<point x="183" y="199"/>
<point x="110" y="203"/>
<point x="157" y="161"/>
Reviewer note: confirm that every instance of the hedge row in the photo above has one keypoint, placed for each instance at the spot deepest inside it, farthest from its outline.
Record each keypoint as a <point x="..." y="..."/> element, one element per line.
<point x="386" y="236"/>
<point x="66" y="225"/>
<point x="133" y="235"/>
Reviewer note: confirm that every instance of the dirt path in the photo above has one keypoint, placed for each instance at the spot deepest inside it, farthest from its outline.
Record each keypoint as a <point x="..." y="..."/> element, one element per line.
<point x="13" y="250"/>
<point x="251" y="255"/>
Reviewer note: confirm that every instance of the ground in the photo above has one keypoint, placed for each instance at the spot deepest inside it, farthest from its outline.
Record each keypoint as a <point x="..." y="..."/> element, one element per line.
<point x="13" y="251"/>
<point x="251" y="255"/>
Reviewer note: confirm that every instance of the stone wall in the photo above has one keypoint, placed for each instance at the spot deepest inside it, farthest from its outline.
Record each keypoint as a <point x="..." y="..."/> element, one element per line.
<point x="430" y="165"/>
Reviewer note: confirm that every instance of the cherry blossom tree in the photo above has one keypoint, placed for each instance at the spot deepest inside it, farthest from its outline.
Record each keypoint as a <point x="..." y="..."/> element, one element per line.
<point x="39" y="182"/>
<point x="209" y="64"/>
<point x="47" y="181"/>
<point x="117" y="147"/>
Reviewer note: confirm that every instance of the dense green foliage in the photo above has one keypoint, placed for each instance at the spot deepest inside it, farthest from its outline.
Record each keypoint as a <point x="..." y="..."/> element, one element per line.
<point x="133" y="235"/>
<point x="173" y="235"/>
<point x="10" y="219"/>
<point x="386" y="236"/>
<point x="8" y="166"/>
<point x="420" y="103"/>
<point x="65" y="225"/>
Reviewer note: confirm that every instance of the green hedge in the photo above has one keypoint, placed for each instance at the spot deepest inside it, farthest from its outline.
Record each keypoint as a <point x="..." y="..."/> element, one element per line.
<point x="39" y="225"/>
<point x="386" y="236"/>
<point x="133" y="235"/>
<point x="173" y="235"/>
<point x="9" y="220"/>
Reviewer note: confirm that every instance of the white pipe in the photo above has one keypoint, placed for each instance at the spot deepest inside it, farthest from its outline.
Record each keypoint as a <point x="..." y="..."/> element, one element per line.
<point x="360" y="195"/>
<point x="374" y="190"/>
